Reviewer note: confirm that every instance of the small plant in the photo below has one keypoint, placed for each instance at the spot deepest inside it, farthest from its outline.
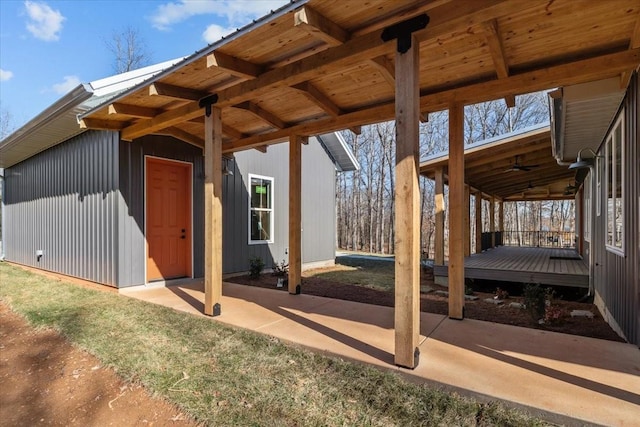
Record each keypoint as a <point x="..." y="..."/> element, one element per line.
<point x="553" y="314"/>
<point x="281" y="269"/>
<point x="535" y="300"/>
<point x="468" y="290"/>
<point x="501" y="294"/>
<point x="256" y="265"/>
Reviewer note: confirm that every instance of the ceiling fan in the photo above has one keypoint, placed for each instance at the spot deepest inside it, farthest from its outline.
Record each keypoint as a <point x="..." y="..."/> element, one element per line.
<point x="517" y="167"/>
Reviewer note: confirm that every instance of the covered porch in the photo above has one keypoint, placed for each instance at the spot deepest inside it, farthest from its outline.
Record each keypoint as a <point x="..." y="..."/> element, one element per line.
<point x="318" y="66"/>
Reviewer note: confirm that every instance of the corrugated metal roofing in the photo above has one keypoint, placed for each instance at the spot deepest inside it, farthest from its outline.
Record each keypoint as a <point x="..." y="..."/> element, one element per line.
<point x="339" y="152"/>
<point x="59" y="121"/>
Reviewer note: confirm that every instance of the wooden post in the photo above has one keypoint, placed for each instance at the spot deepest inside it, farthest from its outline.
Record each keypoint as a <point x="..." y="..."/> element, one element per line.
<point x="213" y="212"/>
<point x="295" y="213"/>
<point x="501" y="220"/>
<point x="478" y="222"/>
<point x="439" y="203"/>
<point x="467" y="221"/>
<point x="457" y="209"/>
<point x="492" y="221"/>
<point x="407" y="202"/>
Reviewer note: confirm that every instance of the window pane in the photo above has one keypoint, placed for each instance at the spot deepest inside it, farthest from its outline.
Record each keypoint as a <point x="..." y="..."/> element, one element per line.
<point x="618" y="187"/>
<point x="609" y="193"/>
<point x="261" y="193"/>
<point x="260" y="225"/>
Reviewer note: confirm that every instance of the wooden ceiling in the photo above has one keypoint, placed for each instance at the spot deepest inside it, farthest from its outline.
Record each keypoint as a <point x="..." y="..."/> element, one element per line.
<point x="319" y="66"/>
<point x="516" y="167"/>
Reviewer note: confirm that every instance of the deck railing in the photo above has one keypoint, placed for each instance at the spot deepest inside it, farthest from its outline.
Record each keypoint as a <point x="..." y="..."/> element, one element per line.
<point x="542" y="239"/>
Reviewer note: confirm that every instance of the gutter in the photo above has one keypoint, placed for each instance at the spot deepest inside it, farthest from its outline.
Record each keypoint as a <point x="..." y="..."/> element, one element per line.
<point x="71" y="100"/>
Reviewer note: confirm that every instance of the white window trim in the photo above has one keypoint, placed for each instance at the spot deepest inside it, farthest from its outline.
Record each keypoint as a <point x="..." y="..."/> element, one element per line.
<point x="610" y="138"/>
<point x="272" y="222"/>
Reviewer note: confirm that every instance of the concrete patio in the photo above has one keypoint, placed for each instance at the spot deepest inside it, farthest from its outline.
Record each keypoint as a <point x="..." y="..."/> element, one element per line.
<point x="565" y="379"/>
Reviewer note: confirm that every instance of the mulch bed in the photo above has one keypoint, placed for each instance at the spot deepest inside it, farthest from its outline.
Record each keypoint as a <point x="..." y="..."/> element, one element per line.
<point x="433" y="303"/>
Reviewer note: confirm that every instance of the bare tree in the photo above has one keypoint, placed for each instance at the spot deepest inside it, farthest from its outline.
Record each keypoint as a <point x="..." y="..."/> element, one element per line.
<point x="129" y="50"/>
<point x="6" y="122"/>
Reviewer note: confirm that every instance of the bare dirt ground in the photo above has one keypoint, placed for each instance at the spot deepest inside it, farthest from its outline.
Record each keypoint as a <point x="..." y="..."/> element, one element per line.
<point x="432" y="302"/>
<point x="47" y="381"/>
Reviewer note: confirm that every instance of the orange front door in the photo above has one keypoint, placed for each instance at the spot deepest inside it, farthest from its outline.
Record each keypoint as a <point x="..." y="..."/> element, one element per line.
<point x="168" y="219"/>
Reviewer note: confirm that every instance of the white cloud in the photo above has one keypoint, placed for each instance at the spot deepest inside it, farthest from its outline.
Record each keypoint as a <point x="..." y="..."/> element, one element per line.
<point x="236" y="13"/>
<point x="5" y="75"/>
<point x="44" y="23"/>
<point x="214" y="32"/>
<point x="69" y="83"/>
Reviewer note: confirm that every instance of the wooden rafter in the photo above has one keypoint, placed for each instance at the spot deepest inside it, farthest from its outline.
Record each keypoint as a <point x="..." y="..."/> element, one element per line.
<point x="262" y="114"/>
<point x="496" y="48"/>
<point x="232" y="65"/>
<point x="185" y="136"/>
<point x="89" y="123"/>
<point x="634" y="42"/>
<point x="320" y="27"/>
<point x="176" y="92"/>
<point x="386" y="69"/>
<point x="133" y="110"/>
<point x="539" y="79"/>
<point x="314" y="95"/>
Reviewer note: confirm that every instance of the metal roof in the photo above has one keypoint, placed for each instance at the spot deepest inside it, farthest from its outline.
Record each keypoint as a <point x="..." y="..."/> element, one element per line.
<point x="59" y="121"/>
<point x="339" y="152"/>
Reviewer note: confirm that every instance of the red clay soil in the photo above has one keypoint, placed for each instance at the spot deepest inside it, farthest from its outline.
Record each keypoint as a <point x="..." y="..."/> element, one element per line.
<point x="47" y="381"/>
<point x="434" y="303"/>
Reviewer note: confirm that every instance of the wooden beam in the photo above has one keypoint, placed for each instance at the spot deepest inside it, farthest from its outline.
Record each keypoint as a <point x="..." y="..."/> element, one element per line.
<point x="262" y="114"/>
<point x="319" y="26"/>
<point x="232" y="65"/>
<point x="478" y="206"/>
<point x="133" y="110"/>
<point x="262" y="149"/>
<point x="314" y="95"/>
<point x="184" y="136"/>
<point x="407" y="203"/>
<point x="356" y="129"/>
<point x="439" y="204"/>
<point x="213" y="213"/>
<point x="175" y="92"/>
<point x="492" y="221"/>
<point x="496" y="48"/>
<point x="575" y="72"/>
<point x="456" y="211"/>
<point x="295" y="213"/>
<point x="501" y="216"/>
<point x="89" y="123"/>
<point x="385" y="68"/>
<point x="467" y="221"/>
<point x="232" y="132"/>
<point x="634" y="43"/>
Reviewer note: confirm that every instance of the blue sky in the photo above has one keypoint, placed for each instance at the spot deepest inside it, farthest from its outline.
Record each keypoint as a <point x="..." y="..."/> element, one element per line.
<point x="49" y="47"/>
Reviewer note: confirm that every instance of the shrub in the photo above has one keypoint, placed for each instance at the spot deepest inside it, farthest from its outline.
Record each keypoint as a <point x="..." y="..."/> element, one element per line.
<point x="553" y="314"/>
<point x="535" y="300"/>
<point x="501" y="294"/>
<point x="281" y="270"/>
<point x="256" y="265"/>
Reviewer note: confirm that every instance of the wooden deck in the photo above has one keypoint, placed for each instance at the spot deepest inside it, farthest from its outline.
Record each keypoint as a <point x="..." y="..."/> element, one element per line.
<point x="525" y="265"/>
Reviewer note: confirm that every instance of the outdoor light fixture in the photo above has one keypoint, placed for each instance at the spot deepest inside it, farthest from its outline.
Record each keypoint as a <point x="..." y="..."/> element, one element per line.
<point x="581" y="163"/>
<point x="226" y="170"/>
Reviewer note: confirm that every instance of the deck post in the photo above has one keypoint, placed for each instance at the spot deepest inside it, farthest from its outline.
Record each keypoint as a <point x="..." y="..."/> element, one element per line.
<point x="456" y="211"/>
<point x="478" y="206"/>
<point x="295" y="213"/>
<point x="467" y="221"/>
<point x="492" y="221"/>
<point x="439" y="204"/>
<point x="407" y="202"/>
<point x="212" y="211"/>
<point x="501" y="220"/>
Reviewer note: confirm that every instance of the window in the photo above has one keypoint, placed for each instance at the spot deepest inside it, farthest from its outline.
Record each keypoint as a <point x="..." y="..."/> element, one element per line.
<point x="614" y="159"/>
<point x="260" y="209"/>
<point x="587" y="208"/>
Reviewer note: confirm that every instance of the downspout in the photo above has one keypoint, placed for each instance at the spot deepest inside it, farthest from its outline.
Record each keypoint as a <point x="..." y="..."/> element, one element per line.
<point x="2" y="195"/>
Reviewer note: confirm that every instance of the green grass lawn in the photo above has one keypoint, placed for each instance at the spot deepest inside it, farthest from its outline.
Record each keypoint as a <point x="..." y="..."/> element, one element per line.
<point x="225" y="376"/>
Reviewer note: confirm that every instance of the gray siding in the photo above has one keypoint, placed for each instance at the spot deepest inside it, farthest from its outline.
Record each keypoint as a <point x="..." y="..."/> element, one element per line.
<point x="132" y="255"/>
<point x="617" y="277"/>
<point x="318" y="206"/>
<point x="62" y="202"/>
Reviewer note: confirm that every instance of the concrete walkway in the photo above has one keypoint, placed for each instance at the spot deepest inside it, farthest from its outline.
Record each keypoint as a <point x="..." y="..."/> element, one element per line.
<point x="563" y="378"/>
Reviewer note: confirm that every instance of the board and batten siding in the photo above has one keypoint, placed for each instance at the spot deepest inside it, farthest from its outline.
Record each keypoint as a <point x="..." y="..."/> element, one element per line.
<point x="131" y="207"/>
<point x="617" y="276"/>
<point x="318" y="207"/>
<point x="62" y="202"/>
